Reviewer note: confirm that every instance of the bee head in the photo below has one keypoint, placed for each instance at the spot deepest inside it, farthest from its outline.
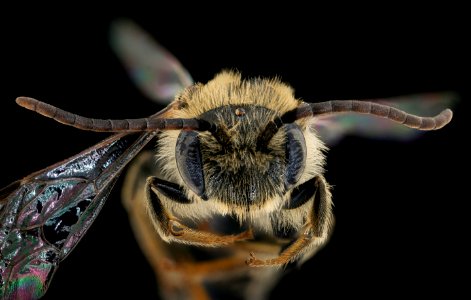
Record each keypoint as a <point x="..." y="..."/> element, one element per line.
<point x="247" y="157"/>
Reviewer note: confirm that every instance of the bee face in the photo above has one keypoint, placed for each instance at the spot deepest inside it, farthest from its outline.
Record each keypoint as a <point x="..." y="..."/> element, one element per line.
<point x="248" y="161"/>
<point x="232" y="163"/>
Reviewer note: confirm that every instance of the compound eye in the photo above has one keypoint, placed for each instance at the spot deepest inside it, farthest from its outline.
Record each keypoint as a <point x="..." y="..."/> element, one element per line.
<point x="295" y="154"/>
<point x="188" y="156"/>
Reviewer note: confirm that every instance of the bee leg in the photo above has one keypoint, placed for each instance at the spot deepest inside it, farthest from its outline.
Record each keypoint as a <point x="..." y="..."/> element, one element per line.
<point x="315" y="233"/>
<point x="170" y="228"/>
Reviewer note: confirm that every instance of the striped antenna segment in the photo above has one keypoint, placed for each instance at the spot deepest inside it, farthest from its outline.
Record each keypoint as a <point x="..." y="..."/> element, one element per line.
<point x="376" y="109"/>
<point x="125" y="125"/>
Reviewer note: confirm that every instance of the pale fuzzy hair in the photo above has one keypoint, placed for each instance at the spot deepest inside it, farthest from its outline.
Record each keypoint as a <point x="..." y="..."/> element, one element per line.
<point x="270" y="217"/>
<point x="228" y="88"/>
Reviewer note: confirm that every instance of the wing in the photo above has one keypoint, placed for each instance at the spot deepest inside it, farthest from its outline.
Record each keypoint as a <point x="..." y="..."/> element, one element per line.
<point x="158" y="74"/>
<point x="44" y="216"/>
<point x="332" y="129"/>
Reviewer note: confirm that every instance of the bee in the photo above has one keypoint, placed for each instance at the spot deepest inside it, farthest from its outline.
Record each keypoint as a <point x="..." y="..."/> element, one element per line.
<point x="238" y="172"/>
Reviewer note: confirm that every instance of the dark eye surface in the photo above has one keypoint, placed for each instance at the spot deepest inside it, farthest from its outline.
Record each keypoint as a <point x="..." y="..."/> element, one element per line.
<point x="188" y="156"/>
<point x="295" y="154"/>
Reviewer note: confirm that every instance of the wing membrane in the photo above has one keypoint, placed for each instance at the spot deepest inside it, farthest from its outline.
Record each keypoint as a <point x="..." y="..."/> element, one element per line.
<point x="158" y="74"/>
<point x="44" y="216"/>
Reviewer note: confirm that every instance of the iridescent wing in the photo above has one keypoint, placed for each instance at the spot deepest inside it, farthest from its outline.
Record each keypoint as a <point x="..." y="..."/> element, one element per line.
<point x="158" y="74"/>
<point x="332" y="129"/>
<point x="44" y="216"/>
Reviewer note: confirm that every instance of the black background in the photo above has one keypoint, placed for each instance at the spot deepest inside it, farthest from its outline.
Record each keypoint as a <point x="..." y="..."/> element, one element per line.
<point x="400" y="207"/>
